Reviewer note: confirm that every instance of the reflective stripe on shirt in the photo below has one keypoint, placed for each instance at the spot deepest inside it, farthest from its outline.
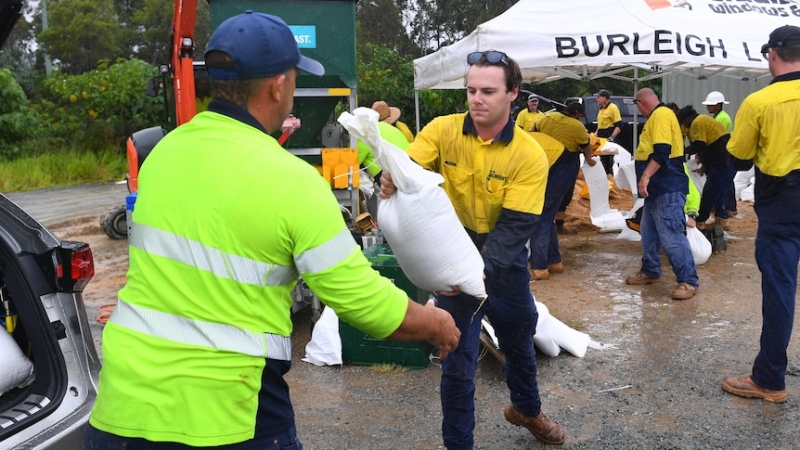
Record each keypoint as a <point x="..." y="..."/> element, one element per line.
<point x="327" y="255"/>
<point x="221" y="264"/>
<point x="187" y="331"/>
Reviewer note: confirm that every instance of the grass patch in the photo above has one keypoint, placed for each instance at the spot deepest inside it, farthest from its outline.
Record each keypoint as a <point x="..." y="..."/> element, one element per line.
<point x="384" y="369"/>
<point x="62" y="169"/>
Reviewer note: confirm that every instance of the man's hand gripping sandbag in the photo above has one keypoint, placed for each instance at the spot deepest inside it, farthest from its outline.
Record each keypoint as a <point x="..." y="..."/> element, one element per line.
<point x="419" y="221"/>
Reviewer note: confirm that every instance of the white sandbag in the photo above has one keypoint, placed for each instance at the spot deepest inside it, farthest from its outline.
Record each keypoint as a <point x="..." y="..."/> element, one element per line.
<point x="742" y="180"/>
<point x="554" y="331"/>
<point x="325" y="346"/>
<point x="366" y="184"/>
<point x="552" y="335"/>
<point x="16" y="370"/>
<point x="418" y="221"/>
<point x="544" y="338"/>
<point x="701" y="247"/>
<point x="748" y="194"/>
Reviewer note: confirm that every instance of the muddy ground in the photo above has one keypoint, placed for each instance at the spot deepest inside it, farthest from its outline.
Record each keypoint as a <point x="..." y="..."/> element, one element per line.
<point x="657" y="387"/>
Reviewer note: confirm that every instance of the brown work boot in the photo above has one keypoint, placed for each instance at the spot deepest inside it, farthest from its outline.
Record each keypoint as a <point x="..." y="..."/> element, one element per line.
<point x="563" y="229"/>
<point x="702" y="225"/>
<point x="745" y="387"/>
<point x="639" y="278"/>
<point x="539" y="274"/>
<point x="724" y="224"/>
<point x="541" y="427"/>
<point x="555" y="268"/>
<point x="684" y="291"/>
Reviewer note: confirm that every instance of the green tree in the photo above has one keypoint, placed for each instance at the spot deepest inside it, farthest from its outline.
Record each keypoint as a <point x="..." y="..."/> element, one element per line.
<point x="18" y="56"/>
<point x="100" y="108"/>
<point x="437" y="23"/>
<point x="380" y="22"/>
<point x="18" y="121"/>
<point x="385" y="75"/>
<point x="81" y="33"/>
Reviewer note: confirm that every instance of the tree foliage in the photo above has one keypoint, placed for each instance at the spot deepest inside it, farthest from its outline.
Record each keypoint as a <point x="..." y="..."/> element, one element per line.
<point x="81" y="33"/>
<point x="17" y="120"/>
<point x="383" y="74"/>
<point x="102" y="107"/>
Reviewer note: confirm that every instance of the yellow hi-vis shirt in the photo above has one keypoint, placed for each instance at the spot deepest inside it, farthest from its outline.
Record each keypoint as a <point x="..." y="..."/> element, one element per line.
<point x="567" y="130"/>
<point x="527" y="119"/>
<point x="551" y="146"/>
<point x="483" y="177"/>
<point x="766" y="129"/>
<point x="706" y="129"/>
<point x="225" y="222"/>
<point x="608" y="116"/>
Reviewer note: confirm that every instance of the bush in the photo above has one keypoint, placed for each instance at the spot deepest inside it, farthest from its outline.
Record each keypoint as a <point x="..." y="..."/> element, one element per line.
<point x="17" y="120"/>
<point x="100" y="109"/>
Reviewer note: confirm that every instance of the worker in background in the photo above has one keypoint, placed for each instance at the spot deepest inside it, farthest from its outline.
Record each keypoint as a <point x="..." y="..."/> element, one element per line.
<point x="609" y="125"/>
<point x="365" y="156"/>
<point x="663" y="184"/>
<point x="391" y="115"/>
<point x="567" y="129"/>
<point x="714" y="101"/>
<point x="564" y="165"/>
<point x="495" y="175"/>
<point x="708" y="140"/>
<point x="386" y="116"/>
<point x="767" y="125"/>
<point x="198" y="345"/>
<point x="527" y="117"/>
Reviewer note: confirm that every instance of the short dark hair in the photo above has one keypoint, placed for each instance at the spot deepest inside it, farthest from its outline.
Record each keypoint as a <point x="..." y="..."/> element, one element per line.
<point x="510" y="68"/>
<point x="788" y="54"/>
<point x="234" y="91"/>
<point x="685" y="113"/>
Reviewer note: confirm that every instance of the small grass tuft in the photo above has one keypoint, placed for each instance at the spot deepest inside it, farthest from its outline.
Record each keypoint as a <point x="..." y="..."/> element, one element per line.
<point x="385" y="369"/>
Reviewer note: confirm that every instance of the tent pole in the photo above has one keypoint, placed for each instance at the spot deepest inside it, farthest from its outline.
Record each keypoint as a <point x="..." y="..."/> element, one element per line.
<point x="416" y="106"/>
<point x="635" y="110"/>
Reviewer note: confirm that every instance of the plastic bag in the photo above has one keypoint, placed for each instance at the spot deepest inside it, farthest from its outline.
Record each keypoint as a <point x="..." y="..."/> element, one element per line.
<point x="701" y="247"/>
<point x="418" y="221"/>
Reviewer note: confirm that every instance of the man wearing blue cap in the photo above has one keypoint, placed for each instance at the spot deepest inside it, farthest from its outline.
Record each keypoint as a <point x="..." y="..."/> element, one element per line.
<point x="766" y="133"/>
<point x="226" y="221"/>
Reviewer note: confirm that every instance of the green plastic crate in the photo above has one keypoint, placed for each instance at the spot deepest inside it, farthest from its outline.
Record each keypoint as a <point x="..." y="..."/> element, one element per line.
<point x="361" y="349"/>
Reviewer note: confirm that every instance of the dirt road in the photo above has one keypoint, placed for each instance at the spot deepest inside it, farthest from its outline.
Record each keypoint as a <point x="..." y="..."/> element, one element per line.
<point x="658" y="388"/>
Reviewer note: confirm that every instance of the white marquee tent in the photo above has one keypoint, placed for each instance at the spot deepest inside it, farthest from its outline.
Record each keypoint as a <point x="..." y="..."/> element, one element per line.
<point x="590" y="39"/>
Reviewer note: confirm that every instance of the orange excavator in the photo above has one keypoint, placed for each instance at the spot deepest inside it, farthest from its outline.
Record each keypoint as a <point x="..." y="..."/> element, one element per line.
<point x="324" y="28"/>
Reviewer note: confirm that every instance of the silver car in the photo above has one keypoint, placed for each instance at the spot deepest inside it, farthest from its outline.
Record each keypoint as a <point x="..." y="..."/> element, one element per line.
<point x="48" y="361"/>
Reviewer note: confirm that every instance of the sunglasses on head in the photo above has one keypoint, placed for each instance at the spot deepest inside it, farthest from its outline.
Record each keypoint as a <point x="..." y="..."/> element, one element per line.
<point x="490" y="56"/>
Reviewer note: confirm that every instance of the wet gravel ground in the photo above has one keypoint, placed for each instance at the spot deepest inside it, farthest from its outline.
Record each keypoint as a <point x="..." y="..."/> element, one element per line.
<point x="658" y="388"/>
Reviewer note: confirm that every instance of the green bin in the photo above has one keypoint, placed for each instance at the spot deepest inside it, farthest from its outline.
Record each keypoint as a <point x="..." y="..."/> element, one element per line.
<point x="325" y="31"/>
<point x="362" y="349"/>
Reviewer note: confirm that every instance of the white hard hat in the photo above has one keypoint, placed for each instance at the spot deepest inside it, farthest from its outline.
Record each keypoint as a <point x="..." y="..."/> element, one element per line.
<point x="715" y="97"/>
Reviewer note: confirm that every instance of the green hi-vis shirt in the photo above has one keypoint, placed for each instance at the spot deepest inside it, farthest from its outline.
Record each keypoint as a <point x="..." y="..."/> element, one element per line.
<point x="226" y="220"/>
<point x="389" y="133"/>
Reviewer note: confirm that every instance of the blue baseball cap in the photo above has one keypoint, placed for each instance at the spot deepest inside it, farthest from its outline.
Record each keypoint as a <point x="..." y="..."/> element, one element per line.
<point x="261" y="46"/>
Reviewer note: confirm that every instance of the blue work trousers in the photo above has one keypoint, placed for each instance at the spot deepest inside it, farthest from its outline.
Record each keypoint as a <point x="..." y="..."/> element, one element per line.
<point x="95" y="439"/>
<point x="664" y="226"/>
<point x="512" y="313"/>
<point x="777" y="255"/>
<point x="544" y="239"/>
<point x="715" y="192"/>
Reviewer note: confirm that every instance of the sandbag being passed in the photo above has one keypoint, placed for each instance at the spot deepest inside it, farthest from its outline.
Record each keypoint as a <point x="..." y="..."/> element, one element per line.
<point x="418" y="221"/>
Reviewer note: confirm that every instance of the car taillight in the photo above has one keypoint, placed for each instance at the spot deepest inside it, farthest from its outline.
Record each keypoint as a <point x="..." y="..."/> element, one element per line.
<point x="75" y="265"/>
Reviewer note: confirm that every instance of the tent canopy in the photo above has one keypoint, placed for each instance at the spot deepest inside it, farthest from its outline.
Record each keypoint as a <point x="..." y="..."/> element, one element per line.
<point x="589" y="39"/>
